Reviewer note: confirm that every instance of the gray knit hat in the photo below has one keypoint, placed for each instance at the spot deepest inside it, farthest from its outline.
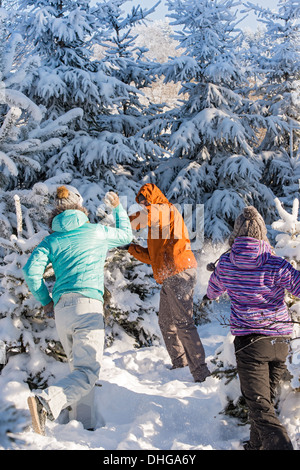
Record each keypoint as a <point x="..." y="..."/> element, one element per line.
<point x="249" y="224"/>
<point x="68" y="196"/>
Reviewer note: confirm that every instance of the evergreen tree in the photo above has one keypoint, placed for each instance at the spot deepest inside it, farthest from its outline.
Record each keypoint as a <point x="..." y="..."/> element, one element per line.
<point x="130" y="65"/>
<point x="18" y="114"/>
<point x="129" y="133"/>
<point x="158" y="39"/>
<point x="23" y="327"/>
<point x="107" y="147"/>
<point x="131" y="307"/>
<point x="24" y="138"/>
<point x="61" y="32"/>
<point x="67" y="82"/>
<point x="214" y="132"/>
<point x="278" y="71"/>
<point x="288" y="246"/>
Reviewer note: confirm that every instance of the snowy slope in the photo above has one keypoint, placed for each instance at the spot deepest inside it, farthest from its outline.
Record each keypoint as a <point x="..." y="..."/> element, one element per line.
<point x="146" y="405"/>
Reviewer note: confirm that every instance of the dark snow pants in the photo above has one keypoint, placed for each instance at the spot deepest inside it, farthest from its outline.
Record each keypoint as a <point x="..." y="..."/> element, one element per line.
<point x="177" y="324"/>
<point x="260" y="365"/>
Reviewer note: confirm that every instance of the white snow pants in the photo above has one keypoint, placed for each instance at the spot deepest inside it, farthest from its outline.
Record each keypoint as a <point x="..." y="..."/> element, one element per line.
<point x="80" y="326"/>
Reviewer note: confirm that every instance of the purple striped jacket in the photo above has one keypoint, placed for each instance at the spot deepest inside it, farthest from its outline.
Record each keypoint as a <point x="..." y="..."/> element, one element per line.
<point x="255" y="281"/>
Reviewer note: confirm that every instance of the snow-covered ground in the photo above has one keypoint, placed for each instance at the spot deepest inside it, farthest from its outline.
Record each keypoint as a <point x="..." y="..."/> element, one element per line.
<point x="147" y="406"/>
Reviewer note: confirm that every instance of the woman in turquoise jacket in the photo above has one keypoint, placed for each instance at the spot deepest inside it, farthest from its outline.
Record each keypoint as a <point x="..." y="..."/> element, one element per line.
<point x="77" y="250"/>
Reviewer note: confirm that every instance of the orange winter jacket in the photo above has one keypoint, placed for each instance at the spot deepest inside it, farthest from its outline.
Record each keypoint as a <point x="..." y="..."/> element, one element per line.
<point x="169" y="248"/>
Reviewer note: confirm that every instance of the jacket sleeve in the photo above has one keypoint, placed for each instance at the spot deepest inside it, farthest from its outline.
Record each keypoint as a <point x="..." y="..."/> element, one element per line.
<point x="289" y="278"/>
<point x="140" y="253"/>
<point x="121" y="234"/>
<point x="215" y="285"/>
<point x="33" y="272"/>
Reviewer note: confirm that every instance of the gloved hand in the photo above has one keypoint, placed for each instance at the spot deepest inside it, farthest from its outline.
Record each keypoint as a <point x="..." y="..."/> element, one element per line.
<point x="124" y="247"/>
<point x="211" y="267"/>
<point x="49" y="310"/>
<point x="111" y="199"/>
<point x="205" y="301"/>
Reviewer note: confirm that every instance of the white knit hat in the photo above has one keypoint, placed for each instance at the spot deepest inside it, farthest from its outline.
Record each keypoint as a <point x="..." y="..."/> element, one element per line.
<point x="68" y="196"/>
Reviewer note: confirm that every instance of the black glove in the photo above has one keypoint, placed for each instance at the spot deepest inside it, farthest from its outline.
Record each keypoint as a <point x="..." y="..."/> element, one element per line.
<point x="124" y="247"/>
<point x="205" y="301"/>
<point x="211" y="267"/>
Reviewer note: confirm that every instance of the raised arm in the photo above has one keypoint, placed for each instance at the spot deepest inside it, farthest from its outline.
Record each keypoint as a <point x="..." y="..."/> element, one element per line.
<point x="215" y="285"/>
<point x="121" y="234"/>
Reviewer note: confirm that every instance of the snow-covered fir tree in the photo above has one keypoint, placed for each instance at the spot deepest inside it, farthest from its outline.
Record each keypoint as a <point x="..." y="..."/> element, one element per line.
<point x="132" y="132"/>
<point x="288" y="246"/>
<point x="61" y="32"/>
<point x="18" y="114"/>
<point x="107" y="146"/>
<point x="131" y="307"/>
<point x="25" y="138"/>
<point x="277" y="86"/>
<point x="95" y="106"/>
<point x="23" y="327"/>
<point x="214" y="132"/>
<point x="67" y="82"/>
<point x="158" y="39"/>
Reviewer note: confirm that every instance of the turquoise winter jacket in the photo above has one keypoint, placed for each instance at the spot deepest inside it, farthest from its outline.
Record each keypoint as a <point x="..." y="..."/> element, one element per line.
<point x="77" y="250"/>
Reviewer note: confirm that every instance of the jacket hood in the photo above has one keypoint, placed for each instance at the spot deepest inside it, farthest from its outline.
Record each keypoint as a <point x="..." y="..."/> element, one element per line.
<point x="68" y="220"/>
<point x="152" y="194"/>
<point x="249" y="253"/>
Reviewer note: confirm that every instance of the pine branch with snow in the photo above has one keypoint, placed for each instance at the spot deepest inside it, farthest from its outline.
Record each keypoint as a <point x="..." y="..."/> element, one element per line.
<point x="26" y="139"/>
<point x="288" y="246"/>
<point x="130" y="135"/>
<point x="12" y="422"/>
<point x="23" y="327"/>
<point x="232" y="402"/>
<point x="17" y="113"/>
<point x="131" y="308"/>
<point x="277" y="91"/>
<point x="213" y="134"/>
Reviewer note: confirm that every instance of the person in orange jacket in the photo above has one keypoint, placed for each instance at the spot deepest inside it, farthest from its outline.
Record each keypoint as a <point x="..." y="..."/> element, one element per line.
<point x="174" y="267"/>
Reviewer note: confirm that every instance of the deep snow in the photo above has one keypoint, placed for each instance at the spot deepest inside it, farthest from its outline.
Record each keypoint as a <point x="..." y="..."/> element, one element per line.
<point x="147" y="406"/>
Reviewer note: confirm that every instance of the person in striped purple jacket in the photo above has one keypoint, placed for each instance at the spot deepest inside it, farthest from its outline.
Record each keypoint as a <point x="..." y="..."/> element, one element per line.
<point x="255" y="280"/>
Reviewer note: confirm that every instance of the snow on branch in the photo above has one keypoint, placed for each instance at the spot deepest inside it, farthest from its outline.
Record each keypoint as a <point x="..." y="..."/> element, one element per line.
<point x="15" y="98"/>
<point x="178" y="69"/>
<point x="10" y="119"/>
<point x="289" y="222"/>
<point x="10" y="55"/>
<point x="9" y="164"/>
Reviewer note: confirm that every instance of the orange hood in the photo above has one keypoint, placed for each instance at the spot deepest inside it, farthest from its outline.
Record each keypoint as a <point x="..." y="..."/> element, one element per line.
<point x="152" y="194"/>
<point x="168" y="246"/>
